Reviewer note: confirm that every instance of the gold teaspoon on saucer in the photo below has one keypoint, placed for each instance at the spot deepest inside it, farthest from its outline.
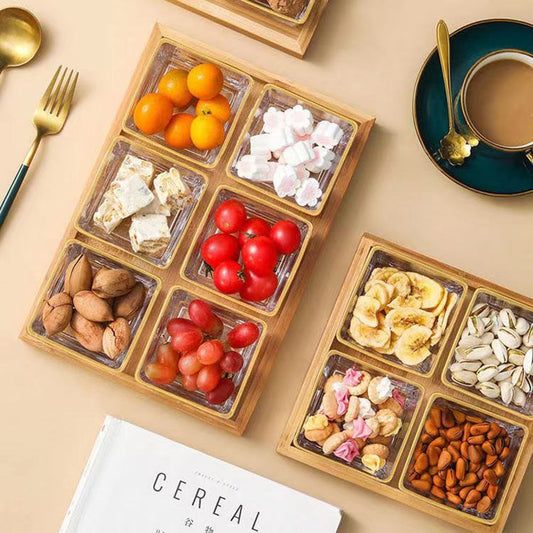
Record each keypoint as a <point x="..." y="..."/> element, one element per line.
<point x="20" y="37"/>
<point x="453" y="146"/>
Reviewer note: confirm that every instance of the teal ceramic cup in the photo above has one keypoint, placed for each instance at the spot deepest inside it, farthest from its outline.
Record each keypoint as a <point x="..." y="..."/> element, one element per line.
<point x="467" y="126"/>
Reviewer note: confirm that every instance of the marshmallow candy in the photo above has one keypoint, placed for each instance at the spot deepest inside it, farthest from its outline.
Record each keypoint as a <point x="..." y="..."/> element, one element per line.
<point x="298" y="154"/>
<point x="253" y="167"/>
<point x="322" y="161"/>
<point x="327" y="134"/>
<point x="285" y="181"/>
<point x="273" y="119"/>
<point x="260" y="145"/>
<point x="309" y="193"/>
<point x="281" y="138"/>
<point x="300" y="120"/>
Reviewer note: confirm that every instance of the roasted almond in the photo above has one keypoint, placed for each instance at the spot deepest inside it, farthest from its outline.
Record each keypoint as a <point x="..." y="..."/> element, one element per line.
<point x="492" y="491"/>
<point x="448" y="419"/>
<point x="438" y="492"/>
<point x="459" y="416"/>
<point x="482" y="486"/>
<point x="464" y="449"/>
<point x="57" y="313"/>
<point x="466" y="430"/>
<point x="479" y="429"/>
<point x="483" y="505"/>
<point x="111" y="283"/>
<point x="474" y="419"/>
<point x="425" y="476"/>
<point x="499" y="446"/>
<point x="426" y="438"/>
<point x="421" y="463"/>
<point x="481" y="471"/>
<point x="476" y="439"/>
<point x="490" y="460"/>
<point x="473" y="497"/>
<point x="78" y="275"/>
<point x="463" y="493"/>
<point x="490" y="477"/>
<point x="435" y="415"/>
<point x="494" y="431"/>
<point x="421" y="485"/>
<point x="454" y="433"/>
<point x="474" y="454"/>
<point x="454" y="498"/>
<point x="444" y="460"/>
<point x="453" y="452"/>
<point x="460" y="469"/>
<point x="128" y="305"/>
<point x="469" y="479"/>
<point x="474" y="467"/>
<point x="433" y="470"/>
<point x="505" y="453"/>
<point x="438" y="481"/>
<point x="439" y="441"/>
<point x="488" y="448"/>
<point x="433" y="453"/>
<point x="499" y="469"/>
<point x="451" y="480"/>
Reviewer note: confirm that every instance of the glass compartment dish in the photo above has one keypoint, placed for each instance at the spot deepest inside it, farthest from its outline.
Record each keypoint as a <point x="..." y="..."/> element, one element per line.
<point x="66" y="339"/>
<point x="194" y="268"/>
<point x="518" y="435"/>
<point x="168" y="56"/>
<point x="380" y="257"/>
<point x="176" y="306"/>
<point x="496" y="302"/>
<point x="273" y="96"/>
<point x="338" y="363"/>
<point x="177" y="222"/>
<point x="299" y="18"/>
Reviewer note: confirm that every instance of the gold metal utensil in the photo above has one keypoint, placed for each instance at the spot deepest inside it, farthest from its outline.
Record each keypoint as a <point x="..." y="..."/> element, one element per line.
<point x="20" y="37"/>
<point x="49" y="119"/>
<point x="453" y="146"/>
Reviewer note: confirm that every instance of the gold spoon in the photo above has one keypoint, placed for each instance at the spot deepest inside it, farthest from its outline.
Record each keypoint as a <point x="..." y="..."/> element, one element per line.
<point x="20" y="37"/>
<point x="453" y="146"/>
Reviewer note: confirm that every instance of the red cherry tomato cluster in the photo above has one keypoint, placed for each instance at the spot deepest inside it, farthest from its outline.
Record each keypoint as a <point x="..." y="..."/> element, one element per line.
<point x="244" y="255"/>
<point x="196" y="352"/>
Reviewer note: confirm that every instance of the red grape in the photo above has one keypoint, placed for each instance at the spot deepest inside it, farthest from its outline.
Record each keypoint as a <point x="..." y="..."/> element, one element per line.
<point x="189" y="382"/>
<point x="189" y="364"/>
<point x="222" y="392"/>
<point x="208" y="378"/>
<point x="167" y="356"/>
<point x="187" y="339"/>
<point x="243" y="335"/>
<point x="160" y="374"/>
<point x="202" y="315"/>
<point x="177" y="325"/>
<point x="231" y="362"/>
<point x="210" y="352"/>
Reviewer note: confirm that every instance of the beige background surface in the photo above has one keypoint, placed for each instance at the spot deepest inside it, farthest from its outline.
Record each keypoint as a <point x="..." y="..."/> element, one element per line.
<point x="366" y="53"/>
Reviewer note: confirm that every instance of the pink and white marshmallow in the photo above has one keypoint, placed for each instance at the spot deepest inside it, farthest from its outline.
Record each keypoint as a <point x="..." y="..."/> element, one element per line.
<point x="300" y="120"/>
<point x="298" y="154"/>
<point x="322" y="161"/>
<point x="273" y="119"/>
<point x="260" y="145"/>
<point x="253" y="167"/>
<point x="309" y="193"/>
<point x="327" y="134"/>
<point x="285" y="181"/>
<point x="281" y="138"/>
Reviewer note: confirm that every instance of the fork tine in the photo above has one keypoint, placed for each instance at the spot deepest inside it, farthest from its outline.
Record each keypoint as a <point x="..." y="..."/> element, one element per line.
<point x="64" y="86"/>
<point x="46" y="96"/>
<point x="54" y="98"/>
<point x="65" y="107"/>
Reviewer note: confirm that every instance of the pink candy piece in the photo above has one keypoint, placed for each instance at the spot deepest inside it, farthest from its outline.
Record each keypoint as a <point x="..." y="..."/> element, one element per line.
<point x="309" y="193"/>
<point x="327" y="134"/>
<point x="360" y="429"/>
<point x="253" y="167"/>
<point x="347" y="451"/>
<point x="259" y="145"/>
<point x="299" y="119"/>
<point x="299" y="153"/>
<point x="285" y="181"/>
<point x="343" y="399"/>
<point x="353" y="377"/>
<point x="322" y="161"/>
<point x="280" y="138"/>
<point x="273" y="119"/>
<point x="398" y="397"/>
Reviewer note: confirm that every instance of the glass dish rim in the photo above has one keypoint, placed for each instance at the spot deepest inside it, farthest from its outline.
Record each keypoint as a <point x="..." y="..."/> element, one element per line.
<point x="451" y="323"/>
<point x="87" y="197"/>
<point x="444" y="377"/>
<point x="267" y="192"/>
<point x="293" y="20"/>
<point x="77" y="356"/>
<point x="476" y="410"/>
<point x="165" y="149"/>
<point x="228" y="297"/>
<point x="381" y="371"/>
<point x="186" y="401"/>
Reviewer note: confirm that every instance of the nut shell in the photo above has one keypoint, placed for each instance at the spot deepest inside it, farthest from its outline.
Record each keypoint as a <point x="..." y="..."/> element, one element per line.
<point x="78" y="276"/>
<point x="57" y="312"/>
<point x="116" y="338"/>
<point x="111" y="283"/>
<point x="128" y="305"/>
<point x="88" y="334"/>
<point x="92" y="307"/>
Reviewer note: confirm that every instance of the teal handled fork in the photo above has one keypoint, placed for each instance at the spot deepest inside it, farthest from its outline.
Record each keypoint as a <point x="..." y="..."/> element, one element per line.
<point x="49" y="119"/>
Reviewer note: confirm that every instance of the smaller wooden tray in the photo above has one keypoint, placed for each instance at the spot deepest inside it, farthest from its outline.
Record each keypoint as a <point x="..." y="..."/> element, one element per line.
<point x="432" y="384"/>
<point x="289" y="35"/>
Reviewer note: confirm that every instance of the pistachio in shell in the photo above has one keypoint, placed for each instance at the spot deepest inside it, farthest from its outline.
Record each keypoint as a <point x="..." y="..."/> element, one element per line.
<point x="116" y="337"/>
<point x="93" y="307"/>
<point x="57" y="312"/>
<point x="111" y="283"/>
<point x="88" y="334"/>
<point x="128" y="305"/>
<point x="78" y="276"/>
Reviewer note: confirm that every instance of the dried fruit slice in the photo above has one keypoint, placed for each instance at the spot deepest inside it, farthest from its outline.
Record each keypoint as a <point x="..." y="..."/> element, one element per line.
<point x="429" y="290"/>
<point x="439" y="308"/>
<point x="412" y="300"/>
<point x="401" y="283"/>
<point x="390" y="347"/>
<point x="365" y="310"/>
<point x="383" y="273"/>
<point x="413" y="346"/>
<point x="381" y="291"/>
<point x="398" y="320"/>
<point x="442" y="320"/>
<point x="368" y="336"/>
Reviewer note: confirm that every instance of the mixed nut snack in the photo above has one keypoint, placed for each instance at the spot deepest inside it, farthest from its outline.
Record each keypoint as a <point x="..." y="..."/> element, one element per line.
<point x="291" y="8"/>
<point x="401" y="313"/>
<point x="495" y="355"/>
<point x="461" y="459"/>
<point x="358" y="417"/>
<point x="96" y="306"/>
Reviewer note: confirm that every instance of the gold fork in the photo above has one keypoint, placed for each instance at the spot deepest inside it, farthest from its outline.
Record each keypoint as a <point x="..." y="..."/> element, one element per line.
<point x="49" y="119"/>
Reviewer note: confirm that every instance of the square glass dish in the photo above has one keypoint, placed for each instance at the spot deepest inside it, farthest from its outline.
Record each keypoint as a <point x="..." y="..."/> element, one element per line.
<point x="299" y="18"/>
<point x="383" y="339"/>
<point x="281" y="99"/>
<point x="335" y="367"/>
<point x="178" y="221"/>
<point x="168" y="56"/>
<point x="504" y="372"/>
<point x="176" y="306"/>
<point x="481" y="497"/>
<point x="65" y="341"/>
<point x="194" y="268"/>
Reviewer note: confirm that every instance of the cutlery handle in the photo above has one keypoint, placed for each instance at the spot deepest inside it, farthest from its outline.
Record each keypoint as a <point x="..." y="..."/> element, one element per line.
<point x="9" y="198"/>
<point x="443" y="46"/>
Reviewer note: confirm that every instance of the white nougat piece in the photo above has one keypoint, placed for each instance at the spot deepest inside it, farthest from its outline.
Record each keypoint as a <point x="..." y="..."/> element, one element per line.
<point x="130" y="195"/>
<point x="155" y="208"/>
<point x="172" y="190"/>
<point x="149" y="233"/>
<point x="134" y="165"/>
<point x="108" y="216"/>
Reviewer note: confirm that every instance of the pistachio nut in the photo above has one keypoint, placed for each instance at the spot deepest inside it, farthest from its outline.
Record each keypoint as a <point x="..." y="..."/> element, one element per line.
<point x="526" y="385"/>
<point x="521" y="326"/>
<point x="516" y="357"/>
<point x="507" y="392"/>
<point x="469" y="341"/>
<point x="472" y="366"/>
<point x="486" y="373"/>
<point x="464" y="377"/>
<point x="500" y="350"/>
<point x="488" y="389"/>
<point x="527" y="339"/>
<point x="504" y="372"/>
<point x="487" y="337"/>
<point x="517" y="377"/>
<point x="475" y="326"/>
<point x="507" y="318"/>
<point x="57" y="312"/>
<point x="528" y="362"/>
<point x="481" y="310"/>
<point x="509" y="337"/>
<point x="78" y="276"/>
<point x="519" y="397"/>
<point x="478" y="353"/>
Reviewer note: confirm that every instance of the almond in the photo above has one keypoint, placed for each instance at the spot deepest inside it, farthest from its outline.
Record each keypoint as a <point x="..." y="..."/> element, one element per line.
<point x="448" y="419"/>
<point x="452" y="450"/>
<point x="490" y="477"/>
<point x="474" y="419"/>
<point x="92" y="307"/>
<point x="128" y="305"/>
<point x="451" y="480"/>
<point x="499" y="469"/>
<point x="435" y="415"/>
<point x="78" y="276"/>
<point x="421" y="463"/>
<point x="488" y="448"/>
<point x="444" y="460"/>
<point x="463" y="493"/>
<point x="469" y="479"/>
<point x="482" y="486"/>
<point x="454" y="433"/>
<point x="477" y="439"/>
<point x="110" y="283"/>
<point x="505" y="453"/>
<point x="116" y="339"/>
<point x="466" y="430"/>
<point x="88" y="334"/>
<point x="57" y="312"/>
<point x="421" y="485"/>
<point x="494" y="431"/>
<point x="433" y="453"/>
<point x="460" y="469"/>
<point x="473" y="497"/>
<point x="431" y="428"/>
<point x="499" y="446"/>
<point x="483" y="505"/>
<point x="464" y="449"/>
<point x="438" y="481"/>
<point x="490" y="460"/>
<point x="479" y="429"/>
<point x="459" y="416"/>
<point x="438" y="492"/>
<point x="492" y="491"/>
<point x="474" y="454"/>
<point x="439" y="441"/>
<point x="454" y="498"/>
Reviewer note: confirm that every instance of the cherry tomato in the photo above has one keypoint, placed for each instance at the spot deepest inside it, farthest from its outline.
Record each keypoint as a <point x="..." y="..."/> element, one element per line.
<point x="220" y="247"/>
<point x="253" y="227"/>
<point x="286" y="236"/>
<point x="229" y="277"/>
<point x="167" y="356"/>
<point x="231" y="362"/>
<point x="222" y="392"/>
<point x="230" y="216"/>
<point x="189" y="382"/>
<point x="243" y="335"/>
<point x="202" y="315"/>
<point x="189" y="364"/>
<point x="208" y="378"/>
<point x="260" y="255"/>
<point x="257" y="288"/>
<point x="187" y="340"/>
<point x="210" y="352"/>
<point x="160" y="374"/>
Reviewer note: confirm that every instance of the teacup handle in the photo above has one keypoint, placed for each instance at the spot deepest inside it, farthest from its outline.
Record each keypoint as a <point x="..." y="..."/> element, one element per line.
<point x="529" y="156"/>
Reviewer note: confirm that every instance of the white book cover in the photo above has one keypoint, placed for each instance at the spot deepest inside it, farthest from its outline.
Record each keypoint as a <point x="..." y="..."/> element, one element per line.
<point x="139" y="482"/>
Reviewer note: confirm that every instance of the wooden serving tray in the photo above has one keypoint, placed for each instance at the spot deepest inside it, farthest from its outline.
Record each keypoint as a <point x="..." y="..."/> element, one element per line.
<point x="276" y="322"/>
<point x="430" y="384"/>
<point x="261" y="23"/>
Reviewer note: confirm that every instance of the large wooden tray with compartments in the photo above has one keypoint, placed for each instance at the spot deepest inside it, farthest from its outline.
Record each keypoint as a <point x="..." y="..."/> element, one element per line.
<point x="432" y="385"/>
<point x="167" y="280"/>
<point x="255" y="19"/>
